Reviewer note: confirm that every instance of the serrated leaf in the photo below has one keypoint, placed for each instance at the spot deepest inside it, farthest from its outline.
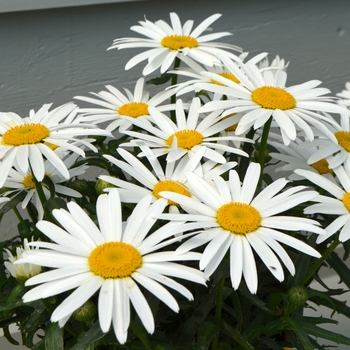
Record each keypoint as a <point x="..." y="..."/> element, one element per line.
<point x="54" y="337"/>
<point x="302" y="335"/>
<point x="325" y="333"/>
<point x="236" y="336"/>
<point x="93" y="334"/>
<point x="340" y="268"/>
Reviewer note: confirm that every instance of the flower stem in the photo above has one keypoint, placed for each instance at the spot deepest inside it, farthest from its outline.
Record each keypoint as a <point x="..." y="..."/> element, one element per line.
<point x="41" y="195"/>
<point x="218" y="310"/>
<point x="141" y="334"/>
<point x="18" y="214"/>
<point x="319" y="262"/>
<point x="262" y="148"/>
<point x="177" y="63"/>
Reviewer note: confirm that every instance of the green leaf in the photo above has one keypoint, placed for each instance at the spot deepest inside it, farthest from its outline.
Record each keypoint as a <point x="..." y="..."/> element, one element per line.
<point x="18" y="198"/>
<point x="8" y="336"/>
<point x="236" y="336"/>
<point x="325" y="334"/>
<point x="301" y="334"/>
<point x="55" y="203"/>
<point x="206" y="334"/>
<point x="54" y="337"/>
<point x="14" y="299"/>
<point x="163" y="79"/>
<point x="319" y="320"/>
<point x="24" y="229"/>
<point x="340" y="268"/>
<point x="92" y="335"/>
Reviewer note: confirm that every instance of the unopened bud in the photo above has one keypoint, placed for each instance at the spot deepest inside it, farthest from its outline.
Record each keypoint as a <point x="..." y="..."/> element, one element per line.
<point x="86" y="312"/>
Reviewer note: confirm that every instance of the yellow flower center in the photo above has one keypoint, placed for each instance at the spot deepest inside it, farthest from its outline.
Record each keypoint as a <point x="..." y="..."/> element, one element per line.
<point x="322" y="167"/>
<point x="238" y="218"/>
<point x="172" y="186"/>
<point x="51" y="145"/>
<point x="178" y="42"/>
<point x="343" y="138"/>
<point x="227" y="75"/>
<point x="28" y="180"/>
<point x="186" y="139"/>
<point x="114" y="260"/>
<point x="26" y="134"/>
<point x="271" y="97"/>
<point x="134" y="109"/>
<point x="346" y="200"/>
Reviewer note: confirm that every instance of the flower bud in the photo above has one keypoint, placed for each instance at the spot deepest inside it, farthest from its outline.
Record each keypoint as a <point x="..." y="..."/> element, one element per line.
<point x="79" y="185"/>
<point x="101" y="185"/>
<point x="86" y="313"/>
<point x="298" y="296"/>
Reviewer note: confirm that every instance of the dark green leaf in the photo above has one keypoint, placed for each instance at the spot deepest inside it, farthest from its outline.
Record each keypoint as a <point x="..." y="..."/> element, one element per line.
<point x="163" y="79"/>
<point x="92" y="335"/>
<point x="47" y="182"/>
<point x="54" y="337"/>
<point x="24" y="229"/>
<point x="325" y="334"/>
<point x="18" y="198"/>
<point x="236" y="336"/>
<point x="8" y="336"/>
<point x="206" y="334"/>
<point x="301" y="334"/>
<point x="340" y="268"/>
<point x="55" y="203"/>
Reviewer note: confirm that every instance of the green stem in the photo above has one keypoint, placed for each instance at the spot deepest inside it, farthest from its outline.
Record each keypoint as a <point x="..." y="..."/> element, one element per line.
<point x="141" y="334"/>
<point x="177" y="63"/>
<point x="18" y="214"/>
<point x="41" y="195"/>
<point x="262" y="148"/>
<point x="218" y="310"/>
<point x="319" y="262"/>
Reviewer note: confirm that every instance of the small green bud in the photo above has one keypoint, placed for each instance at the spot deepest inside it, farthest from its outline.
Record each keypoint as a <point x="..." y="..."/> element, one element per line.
<point x="101" y="185"/>
<point x="297" y="296"/>
<point x="79" y="185"/>
<point x="86" y="313"/>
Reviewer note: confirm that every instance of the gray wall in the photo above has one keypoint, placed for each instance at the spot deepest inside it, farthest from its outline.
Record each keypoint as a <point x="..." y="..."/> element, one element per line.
<point x="53" y="55"/>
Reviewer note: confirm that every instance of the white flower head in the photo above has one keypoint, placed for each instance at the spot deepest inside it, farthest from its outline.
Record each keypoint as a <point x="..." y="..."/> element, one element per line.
<point x="167" y="42"/>
<point x="21" y="271"/>
<point x="234" y="219"/>
<point x="338" y="204"/>
<point x="83" y="258"/>
<point x="263" y="94"/>
<point x="24" y="141"/>
<point x="187" y="136"/>
<point x="113" y="104"/>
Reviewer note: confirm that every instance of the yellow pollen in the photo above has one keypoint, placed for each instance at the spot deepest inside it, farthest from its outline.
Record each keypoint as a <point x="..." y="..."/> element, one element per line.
<point x="227" y="75"/>
<point x="346" y="200"/>
<point x="343" y="138"/>
<point x="186" y="139"/>
<point x="322" y="167"/>
<point x="178" y="42"/>
<point x="134" y="109"/>
<point x="271" y="97"/>
<point x="238" y="218"/>
<point x="114" y="260"/>
<point x="172" y="186"/>
<point x="26" y="134"/>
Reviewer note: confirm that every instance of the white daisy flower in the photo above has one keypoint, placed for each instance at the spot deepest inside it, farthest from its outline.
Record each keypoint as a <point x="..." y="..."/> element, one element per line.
<point x="83" y="258"/>
<point x="168" y="42"/>
<point x="172" y="178"/>
<point x="340" y="205"/>
<point x="21" y="271"/>
<point x="335" y="150"/>
<point x="345" y="95"/>
<point x="263" y="94"/>
<point x="238" y="221"/>
<point x="187" y="136"/>
<point x="114" y="104"/>
<point x="295" y="157"/>
<point x="18" y="181"/>
<point x="24" y="141"/>
<point x="277" y="63"/>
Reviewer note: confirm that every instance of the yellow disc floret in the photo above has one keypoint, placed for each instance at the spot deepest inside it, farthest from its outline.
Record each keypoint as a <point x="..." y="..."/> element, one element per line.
<point x="134" y="109"/>
<point x="238" y="218"/>
<point x="172" y="186"/>
<point x="322" y="167"/>
<point x="343" y="138"/>
<point x="178" y="42"/>
<point x="186" y="139"/>
<point x="114" y="260"/>
<point x="346" y="200"/>
<point x="271" y="97"/>
<point x="28" y="181"/>
<point x="26" y="134"/>
<point x="227" y="75"/>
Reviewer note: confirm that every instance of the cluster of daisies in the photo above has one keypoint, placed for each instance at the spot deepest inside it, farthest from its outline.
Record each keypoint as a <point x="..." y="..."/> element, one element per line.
<point x="182" y="165"/>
